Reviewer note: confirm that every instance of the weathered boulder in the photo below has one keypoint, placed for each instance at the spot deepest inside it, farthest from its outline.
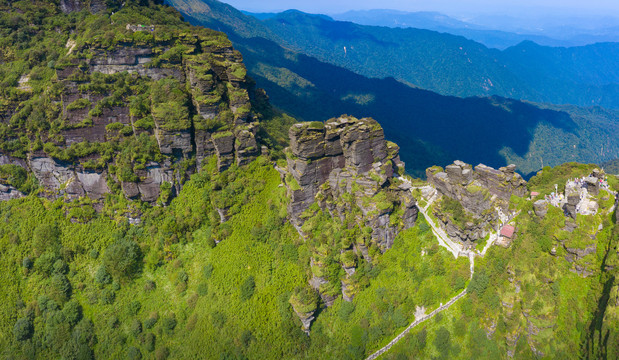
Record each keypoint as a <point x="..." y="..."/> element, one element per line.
<point x="174" y="142"/>
<point x="593" y="185"/>
<point x="541" y="208"/>
<point x="307" y="141"/>
<point x="245" y="146"/>
<point x="8" y="192"/>
<point x="570" y="207"/>
<point x="224" y="145"/>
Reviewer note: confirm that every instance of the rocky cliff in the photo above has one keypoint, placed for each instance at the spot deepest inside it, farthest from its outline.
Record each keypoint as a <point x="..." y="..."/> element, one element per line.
<point x="139" y="111"/>
<point x="473" y="198"/>
<point x="344" y="169"/>
<point x="348" y="156"/>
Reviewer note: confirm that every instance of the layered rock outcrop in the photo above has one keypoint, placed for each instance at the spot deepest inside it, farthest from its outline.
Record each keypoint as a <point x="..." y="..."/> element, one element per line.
<point x="191" y="102"/>
<point x="479" y="193"/>
<point x="346" y="168"/>
<point x="347" y="156"/>
<point x="94" y="6"/>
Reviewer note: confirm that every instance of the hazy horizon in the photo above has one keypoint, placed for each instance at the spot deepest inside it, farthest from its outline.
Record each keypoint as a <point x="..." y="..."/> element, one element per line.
<point x="449" y="7"/>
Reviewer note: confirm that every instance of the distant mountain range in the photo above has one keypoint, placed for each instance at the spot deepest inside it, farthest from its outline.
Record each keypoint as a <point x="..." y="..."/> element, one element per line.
<point x="453" y="65"/>
<point x="490" y="31"/>
<point x="430" y="128"/>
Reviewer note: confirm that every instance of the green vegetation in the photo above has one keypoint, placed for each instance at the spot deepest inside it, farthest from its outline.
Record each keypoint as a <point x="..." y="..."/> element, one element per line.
<point x="215" y="269"/>
<point x="112" y="283"/>
<point x="535" y="294"/>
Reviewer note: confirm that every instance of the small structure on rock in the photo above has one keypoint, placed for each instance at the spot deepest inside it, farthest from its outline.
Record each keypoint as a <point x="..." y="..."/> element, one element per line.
<point x="507" y="231"/>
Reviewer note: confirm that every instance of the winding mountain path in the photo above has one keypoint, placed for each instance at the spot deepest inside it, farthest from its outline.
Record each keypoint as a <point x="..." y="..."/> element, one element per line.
<point x="453" y="247"/>
<point x="415" y="323"/>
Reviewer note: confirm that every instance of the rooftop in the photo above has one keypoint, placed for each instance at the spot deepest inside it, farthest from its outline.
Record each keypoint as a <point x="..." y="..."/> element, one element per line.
<point x="507" y="231"/>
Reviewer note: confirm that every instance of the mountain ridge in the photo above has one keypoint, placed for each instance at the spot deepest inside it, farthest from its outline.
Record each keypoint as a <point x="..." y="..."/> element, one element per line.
<point x="425" y="124"/>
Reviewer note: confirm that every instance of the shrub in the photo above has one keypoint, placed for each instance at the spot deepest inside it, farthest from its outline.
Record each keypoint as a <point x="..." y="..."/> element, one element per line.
<point x="149" y="285"/>
<point x="246" y="337"/>
<point x="208" y="271"/>
<point x="136" y="327"/>
<point x="45" y="263"/>
<point x="134" y="307"/>
<point x="247" y="288"/>
<point x="102" y="276"/>
<point x="134" y="353"/>
<point x="345" y="310"/>
<point x="162" y="353"/>
<point x="62" y="286"/>
<point x="304" y="300"/>
<point x="169" y="323"/>
<point x="107" y="296"/>
<point x="202" y="289"/>
<point x="149" y="342"/>
<point x="23" y="329"/>
<point x="79" y="104"/>
<point x="219" y="319"/>
<point x="442" y="342"/>
<point x="72" y="312"/>
<point x="123" y="258"/>
<point x="479" y="283"/>
<point x="46" y="238"/>
<point x="61" y="267"/>
<point x="27" y="263"/>
<point x="151" y="321"/>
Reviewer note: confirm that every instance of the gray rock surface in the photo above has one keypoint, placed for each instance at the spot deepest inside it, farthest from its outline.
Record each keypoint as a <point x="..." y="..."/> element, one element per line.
<point x="541" y="208"/>
<point x="348" y="158"/>
<point x="214" y="76"/>
<point x="479" y="191"/>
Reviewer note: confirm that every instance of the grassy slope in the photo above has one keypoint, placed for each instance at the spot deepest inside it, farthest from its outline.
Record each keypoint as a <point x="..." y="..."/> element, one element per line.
<point x="199" y="286"/>
<point x="552" y="307"/>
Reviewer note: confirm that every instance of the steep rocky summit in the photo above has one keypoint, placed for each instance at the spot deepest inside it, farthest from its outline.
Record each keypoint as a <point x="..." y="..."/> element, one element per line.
<point x="473" y="199"/>
<point x="348" y="156"/>
<point x="344" y="169"/>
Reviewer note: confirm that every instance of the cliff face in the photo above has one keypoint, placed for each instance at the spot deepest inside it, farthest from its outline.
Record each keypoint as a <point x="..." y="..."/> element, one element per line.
<point x="347" y="156"/>
<point x="480" y="193"/>
<point x="140" y="111"/>
<point x="344" y="168"/>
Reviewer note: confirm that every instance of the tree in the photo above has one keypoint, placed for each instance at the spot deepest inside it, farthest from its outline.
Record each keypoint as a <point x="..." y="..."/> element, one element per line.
<point x="62" y="287"/>
<point x="46" y="238"/>
<point x="442" y="342"/>
<point x="123" y="258"/>
<point x="72" y="312"/>
<point x="23" y="329"/>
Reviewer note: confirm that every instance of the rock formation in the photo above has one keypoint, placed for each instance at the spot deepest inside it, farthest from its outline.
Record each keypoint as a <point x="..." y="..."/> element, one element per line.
<point x="347" y="156"/>
<point x="202" y="110"/>
<point x="479" y="192"/>
<point x="346" y="167"/>
<point x="541" y="208"/>
<point x="94" y="6"/>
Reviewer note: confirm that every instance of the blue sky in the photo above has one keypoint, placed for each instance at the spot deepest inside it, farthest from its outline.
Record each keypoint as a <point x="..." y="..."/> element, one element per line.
<point x="450" y="7"/>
